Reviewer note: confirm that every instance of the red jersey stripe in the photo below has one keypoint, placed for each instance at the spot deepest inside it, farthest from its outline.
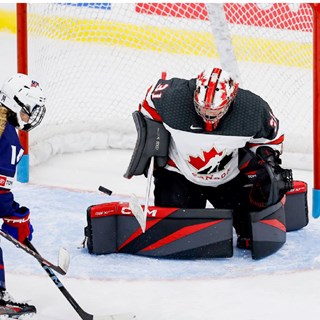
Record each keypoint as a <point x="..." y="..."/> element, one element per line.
<point x="274" y="142"/>
<point x="154" y="114"/>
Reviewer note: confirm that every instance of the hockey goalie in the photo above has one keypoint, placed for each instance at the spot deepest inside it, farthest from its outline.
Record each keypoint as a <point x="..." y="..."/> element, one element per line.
<point x="214" y="151"/>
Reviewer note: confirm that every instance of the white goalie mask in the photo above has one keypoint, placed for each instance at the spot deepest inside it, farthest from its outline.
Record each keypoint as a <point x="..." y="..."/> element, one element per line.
<point x="23" y="96"/>
<point x="215" y="91"/>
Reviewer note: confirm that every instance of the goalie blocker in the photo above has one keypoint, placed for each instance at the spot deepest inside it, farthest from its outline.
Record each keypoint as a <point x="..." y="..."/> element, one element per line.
<point x="152" y="141"/>
<point x="192" y="233"/>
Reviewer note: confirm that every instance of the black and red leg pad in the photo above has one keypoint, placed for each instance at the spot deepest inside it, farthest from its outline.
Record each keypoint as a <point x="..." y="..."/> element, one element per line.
<point x="170" y="232"/>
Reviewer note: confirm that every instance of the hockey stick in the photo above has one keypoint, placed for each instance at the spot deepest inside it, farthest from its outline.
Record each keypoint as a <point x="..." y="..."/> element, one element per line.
<point x="83" y="314"/>
<point x="149" y="181"/>
<point x="134" y="205"/>
<point x="63" y="261"/>
<point x="136" y="209"/>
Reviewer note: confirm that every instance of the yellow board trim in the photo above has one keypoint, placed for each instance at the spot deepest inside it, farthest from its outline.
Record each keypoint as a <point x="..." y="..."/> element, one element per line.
<point x="168" y="40"/>
<point x="8" y="21"/>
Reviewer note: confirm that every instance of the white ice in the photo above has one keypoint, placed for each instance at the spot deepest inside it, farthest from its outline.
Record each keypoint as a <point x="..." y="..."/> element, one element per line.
<point x="283" y="286"/>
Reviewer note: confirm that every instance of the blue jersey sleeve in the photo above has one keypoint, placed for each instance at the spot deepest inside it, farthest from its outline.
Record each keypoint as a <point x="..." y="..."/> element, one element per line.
<point x="10" y="154"/>
<point x="7" y="203"/>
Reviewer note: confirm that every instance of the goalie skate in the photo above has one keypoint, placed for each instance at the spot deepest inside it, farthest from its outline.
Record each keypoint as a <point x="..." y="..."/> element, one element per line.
<point x="10" y="309"/>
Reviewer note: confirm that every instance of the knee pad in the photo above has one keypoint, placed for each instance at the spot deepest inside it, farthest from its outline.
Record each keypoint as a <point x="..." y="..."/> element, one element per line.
<point x="268" y="230"/>
<point x="296" y="207"/>
<point x="270" y="225"/>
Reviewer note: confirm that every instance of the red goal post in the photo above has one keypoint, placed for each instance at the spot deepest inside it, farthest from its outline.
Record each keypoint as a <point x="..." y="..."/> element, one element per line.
<point x="22" y="67"/>
<point x="76" y="52"/>
<point x="316" y="109"/>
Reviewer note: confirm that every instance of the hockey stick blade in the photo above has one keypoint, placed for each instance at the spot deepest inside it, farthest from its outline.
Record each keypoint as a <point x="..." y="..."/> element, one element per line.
<point x="137" y="211"/>
<point x="64" y="258"/>
<point x="135" y="207"/>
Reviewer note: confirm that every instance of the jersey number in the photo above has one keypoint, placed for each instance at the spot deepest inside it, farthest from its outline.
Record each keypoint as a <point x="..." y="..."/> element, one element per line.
<point x="157" y="92"/>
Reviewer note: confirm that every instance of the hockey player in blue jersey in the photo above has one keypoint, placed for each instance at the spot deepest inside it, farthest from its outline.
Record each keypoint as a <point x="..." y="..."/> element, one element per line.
<point x="22" y="106"/>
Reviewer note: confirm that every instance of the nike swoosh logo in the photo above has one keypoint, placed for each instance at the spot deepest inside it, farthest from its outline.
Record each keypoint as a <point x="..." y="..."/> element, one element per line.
<point x="192" y="127"/>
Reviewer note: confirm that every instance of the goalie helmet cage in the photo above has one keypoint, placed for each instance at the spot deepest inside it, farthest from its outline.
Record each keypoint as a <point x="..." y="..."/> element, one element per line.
<point x="96" y="60"/>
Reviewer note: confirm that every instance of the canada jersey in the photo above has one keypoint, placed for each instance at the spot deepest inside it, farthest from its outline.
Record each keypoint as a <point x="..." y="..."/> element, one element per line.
<point x="209" y="158"/>
<point x="10" y="154"/>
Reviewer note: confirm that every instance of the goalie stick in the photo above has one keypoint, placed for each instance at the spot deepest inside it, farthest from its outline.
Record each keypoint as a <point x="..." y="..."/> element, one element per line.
<point x="63" y="261"/>
<point x="147" y="197"/>
<point x="134" y="205"/>
<point x="83" y="314"/>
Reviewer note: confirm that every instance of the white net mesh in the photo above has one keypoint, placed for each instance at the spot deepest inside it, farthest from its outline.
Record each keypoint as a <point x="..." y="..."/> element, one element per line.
<point x="96" y="62"/>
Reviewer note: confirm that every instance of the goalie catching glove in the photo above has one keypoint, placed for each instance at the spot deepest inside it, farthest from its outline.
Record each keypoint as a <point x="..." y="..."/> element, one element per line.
<point x="18" y="224"/>
<point x="269" y="181"/>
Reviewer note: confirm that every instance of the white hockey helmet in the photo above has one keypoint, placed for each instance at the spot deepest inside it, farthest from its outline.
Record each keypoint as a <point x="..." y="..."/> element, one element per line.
<point x="215" y="91"/>
<point x="22" y="95"/>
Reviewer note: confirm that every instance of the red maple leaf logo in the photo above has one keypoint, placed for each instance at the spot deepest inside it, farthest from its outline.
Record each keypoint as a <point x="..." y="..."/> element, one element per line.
<point x="200" y="162"/>
<point x="202" y="78"/>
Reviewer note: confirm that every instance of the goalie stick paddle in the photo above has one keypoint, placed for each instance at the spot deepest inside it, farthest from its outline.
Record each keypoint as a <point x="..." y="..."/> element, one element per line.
<point x="134" y="205"/>
<point x="136" y="209"/>
<point x="83" y="314"/>
<point x="63" y="261"/>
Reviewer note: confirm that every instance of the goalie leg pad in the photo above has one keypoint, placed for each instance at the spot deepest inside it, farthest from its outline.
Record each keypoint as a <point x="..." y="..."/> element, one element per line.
<point x="296" y="207"/>
<point x="101" y="235"/>
<point x="170" y="232"/>
<point x="268" y="231"/>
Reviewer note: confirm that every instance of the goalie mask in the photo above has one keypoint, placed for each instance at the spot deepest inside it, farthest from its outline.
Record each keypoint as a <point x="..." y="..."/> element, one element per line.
<point x="215" y="91"/>
<point x="26" y="101"/>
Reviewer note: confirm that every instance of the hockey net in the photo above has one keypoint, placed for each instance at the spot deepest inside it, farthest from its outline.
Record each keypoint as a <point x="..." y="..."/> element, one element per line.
<point x="96" y="61"/>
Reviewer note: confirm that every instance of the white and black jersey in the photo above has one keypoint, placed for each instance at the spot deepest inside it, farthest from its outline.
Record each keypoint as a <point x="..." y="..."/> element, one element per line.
<point x="209" y="158"/>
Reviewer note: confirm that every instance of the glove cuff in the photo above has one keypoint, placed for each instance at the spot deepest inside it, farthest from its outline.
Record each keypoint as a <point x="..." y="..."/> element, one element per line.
<point x="14" y="220"/>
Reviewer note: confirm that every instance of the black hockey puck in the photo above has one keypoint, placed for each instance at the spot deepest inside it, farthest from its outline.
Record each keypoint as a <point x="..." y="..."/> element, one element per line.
<point x="105" y="190"/>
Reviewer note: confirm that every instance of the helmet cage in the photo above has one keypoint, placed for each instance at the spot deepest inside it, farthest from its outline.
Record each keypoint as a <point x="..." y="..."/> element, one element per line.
<point x="35" y="114"/>
<point x="25" y="100"/>
<point x="214" y="94"/>
<point x="208" y="113"/>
